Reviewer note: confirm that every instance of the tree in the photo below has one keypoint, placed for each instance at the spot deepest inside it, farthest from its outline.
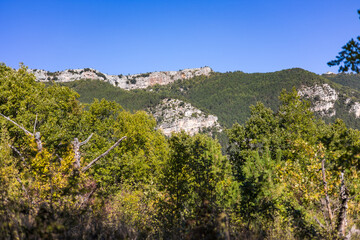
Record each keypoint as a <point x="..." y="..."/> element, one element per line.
<point x="349" y="56"/>
<point x="198" y="187"/>
<point x="298" y="176"/>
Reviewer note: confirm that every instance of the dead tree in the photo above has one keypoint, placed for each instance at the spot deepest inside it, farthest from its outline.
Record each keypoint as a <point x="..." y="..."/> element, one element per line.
<point x="344" y="198"/>
<point x="338" y="228"/>
<point x="76" y="148"/>
<point x="76" y="144"/>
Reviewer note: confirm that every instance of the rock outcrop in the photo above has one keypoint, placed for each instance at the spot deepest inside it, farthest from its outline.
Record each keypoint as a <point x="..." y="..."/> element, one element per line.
<point x="323" y="98"/>
<point x="173" y="115"/>
<point x="355" y="108"/>
<point x="126" y="82"/>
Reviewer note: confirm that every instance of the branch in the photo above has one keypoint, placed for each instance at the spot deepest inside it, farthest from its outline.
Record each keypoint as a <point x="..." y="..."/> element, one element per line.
<point x="18" y="152"/>
<point x="352" y="231"/>
<point x="327" y="200"/>
<point x="86" y="199"/>
<point x="344" y="198"/>
<point x="87" y="140"/>
<point x="21" y="127"/>
<point x="36" y="135"/>
<point x="104" y="154"/>
<point x="320" y="224"/>
<point x="23" y="187"/>
<point x="76" y="147"/>
<point x="35" y="123"/>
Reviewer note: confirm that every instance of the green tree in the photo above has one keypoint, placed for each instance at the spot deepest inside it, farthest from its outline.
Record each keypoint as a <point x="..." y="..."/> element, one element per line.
<point x="198" y="187"/>
<point x="349" y="56"/>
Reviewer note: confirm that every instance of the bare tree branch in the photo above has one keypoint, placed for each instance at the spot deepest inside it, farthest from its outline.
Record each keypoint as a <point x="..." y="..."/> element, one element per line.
<point x="23" y="187"/>
<point x="104" y="154"/>
<point x="320" y="224"/>
<point x="38" y="141"/>
<point x="352" y="231"/>
<point x="35" y="124"/>
<point x="19" y="126"/>
<point x="344" y="198"/>
<point x="36" y="135"/>
<point x="18" y="152"/>
<point x="87" y="140"/>
<point x="327" y="199"/>
<point x="76" y="148"/>
<point x="86" y="199"/>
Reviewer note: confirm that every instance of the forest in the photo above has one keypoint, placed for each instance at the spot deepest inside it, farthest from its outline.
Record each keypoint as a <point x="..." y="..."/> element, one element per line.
<point x="70" y="170"/>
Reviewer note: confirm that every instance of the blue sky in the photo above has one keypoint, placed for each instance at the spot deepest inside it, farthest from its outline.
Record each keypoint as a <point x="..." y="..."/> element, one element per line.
<point x="127" y="37"/>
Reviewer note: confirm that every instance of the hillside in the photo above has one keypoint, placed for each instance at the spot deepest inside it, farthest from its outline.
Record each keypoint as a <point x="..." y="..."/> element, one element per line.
<point x="346" y="79"/>
<point x="229" y="95"/>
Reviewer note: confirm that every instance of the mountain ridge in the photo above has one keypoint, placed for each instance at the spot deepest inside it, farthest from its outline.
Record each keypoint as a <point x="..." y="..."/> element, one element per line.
<point x="128" y="82"/>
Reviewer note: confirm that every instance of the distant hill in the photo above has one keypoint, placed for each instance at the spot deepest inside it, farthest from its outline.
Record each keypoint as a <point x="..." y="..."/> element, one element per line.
<point x="346" y="79"/>
<point x="229" y="95"/>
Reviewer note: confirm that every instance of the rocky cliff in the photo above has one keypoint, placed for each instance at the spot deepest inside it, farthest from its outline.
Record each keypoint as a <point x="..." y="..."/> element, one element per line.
<point x="324" y="98"/>
<point x="173" y="115"/>
<point x="134" y="81"/>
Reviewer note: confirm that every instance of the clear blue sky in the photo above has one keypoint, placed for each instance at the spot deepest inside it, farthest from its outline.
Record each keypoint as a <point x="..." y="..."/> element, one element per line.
<point x="143" y="36"/>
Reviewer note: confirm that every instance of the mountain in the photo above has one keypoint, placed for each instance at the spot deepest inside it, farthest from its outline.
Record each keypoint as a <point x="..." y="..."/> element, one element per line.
<point x="229" y="95"/>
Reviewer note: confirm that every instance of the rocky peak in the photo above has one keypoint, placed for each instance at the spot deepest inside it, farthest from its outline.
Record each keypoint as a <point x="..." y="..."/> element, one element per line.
<point x="128" y="82"/>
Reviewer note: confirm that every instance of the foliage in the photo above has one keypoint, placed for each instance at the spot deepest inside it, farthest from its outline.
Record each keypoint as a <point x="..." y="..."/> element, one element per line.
<point x="131" y="100"/>
<point x="278" y="159"/>
<point x="350" y="80"/>
<point x="349" y="56"/>
<point x="283" y="170"/>
<point x="198" y="187"/>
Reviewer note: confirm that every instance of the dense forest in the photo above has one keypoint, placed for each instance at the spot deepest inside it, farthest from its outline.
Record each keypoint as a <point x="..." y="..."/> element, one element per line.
<point x="97" y="171"/>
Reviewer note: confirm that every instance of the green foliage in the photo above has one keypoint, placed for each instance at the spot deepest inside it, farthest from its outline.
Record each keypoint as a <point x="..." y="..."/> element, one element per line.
<point x="131" y="100"/>
<point x="278" y="157"/>
<point x="198" y="187"/>
<point x="47" y="183"/>
<point x="270" y="186"/>
<point x="350" y="80"/>
<point x="349" y="57"/>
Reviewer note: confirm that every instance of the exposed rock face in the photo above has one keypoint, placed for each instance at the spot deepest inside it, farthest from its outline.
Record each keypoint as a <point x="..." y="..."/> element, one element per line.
<point x="126" y="82"/>
<point x="355" y="108"/>
<point x="173" y="115"/>
<point x="323" y="98"/>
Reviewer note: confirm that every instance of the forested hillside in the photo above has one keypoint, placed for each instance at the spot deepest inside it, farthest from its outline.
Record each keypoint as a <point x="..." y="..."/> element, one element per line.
<point x="346" y="79"/>
<point x="70" y="171"/>
<point x="229" y="95"/>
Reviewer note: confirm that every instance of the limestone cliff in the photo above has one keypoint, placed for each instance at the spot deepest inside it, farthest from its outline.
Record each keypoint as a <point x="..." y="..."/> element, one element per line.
<point x="128" y="82"/>
<point x="323" y="98"/>
<point x="173" y="115"/>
